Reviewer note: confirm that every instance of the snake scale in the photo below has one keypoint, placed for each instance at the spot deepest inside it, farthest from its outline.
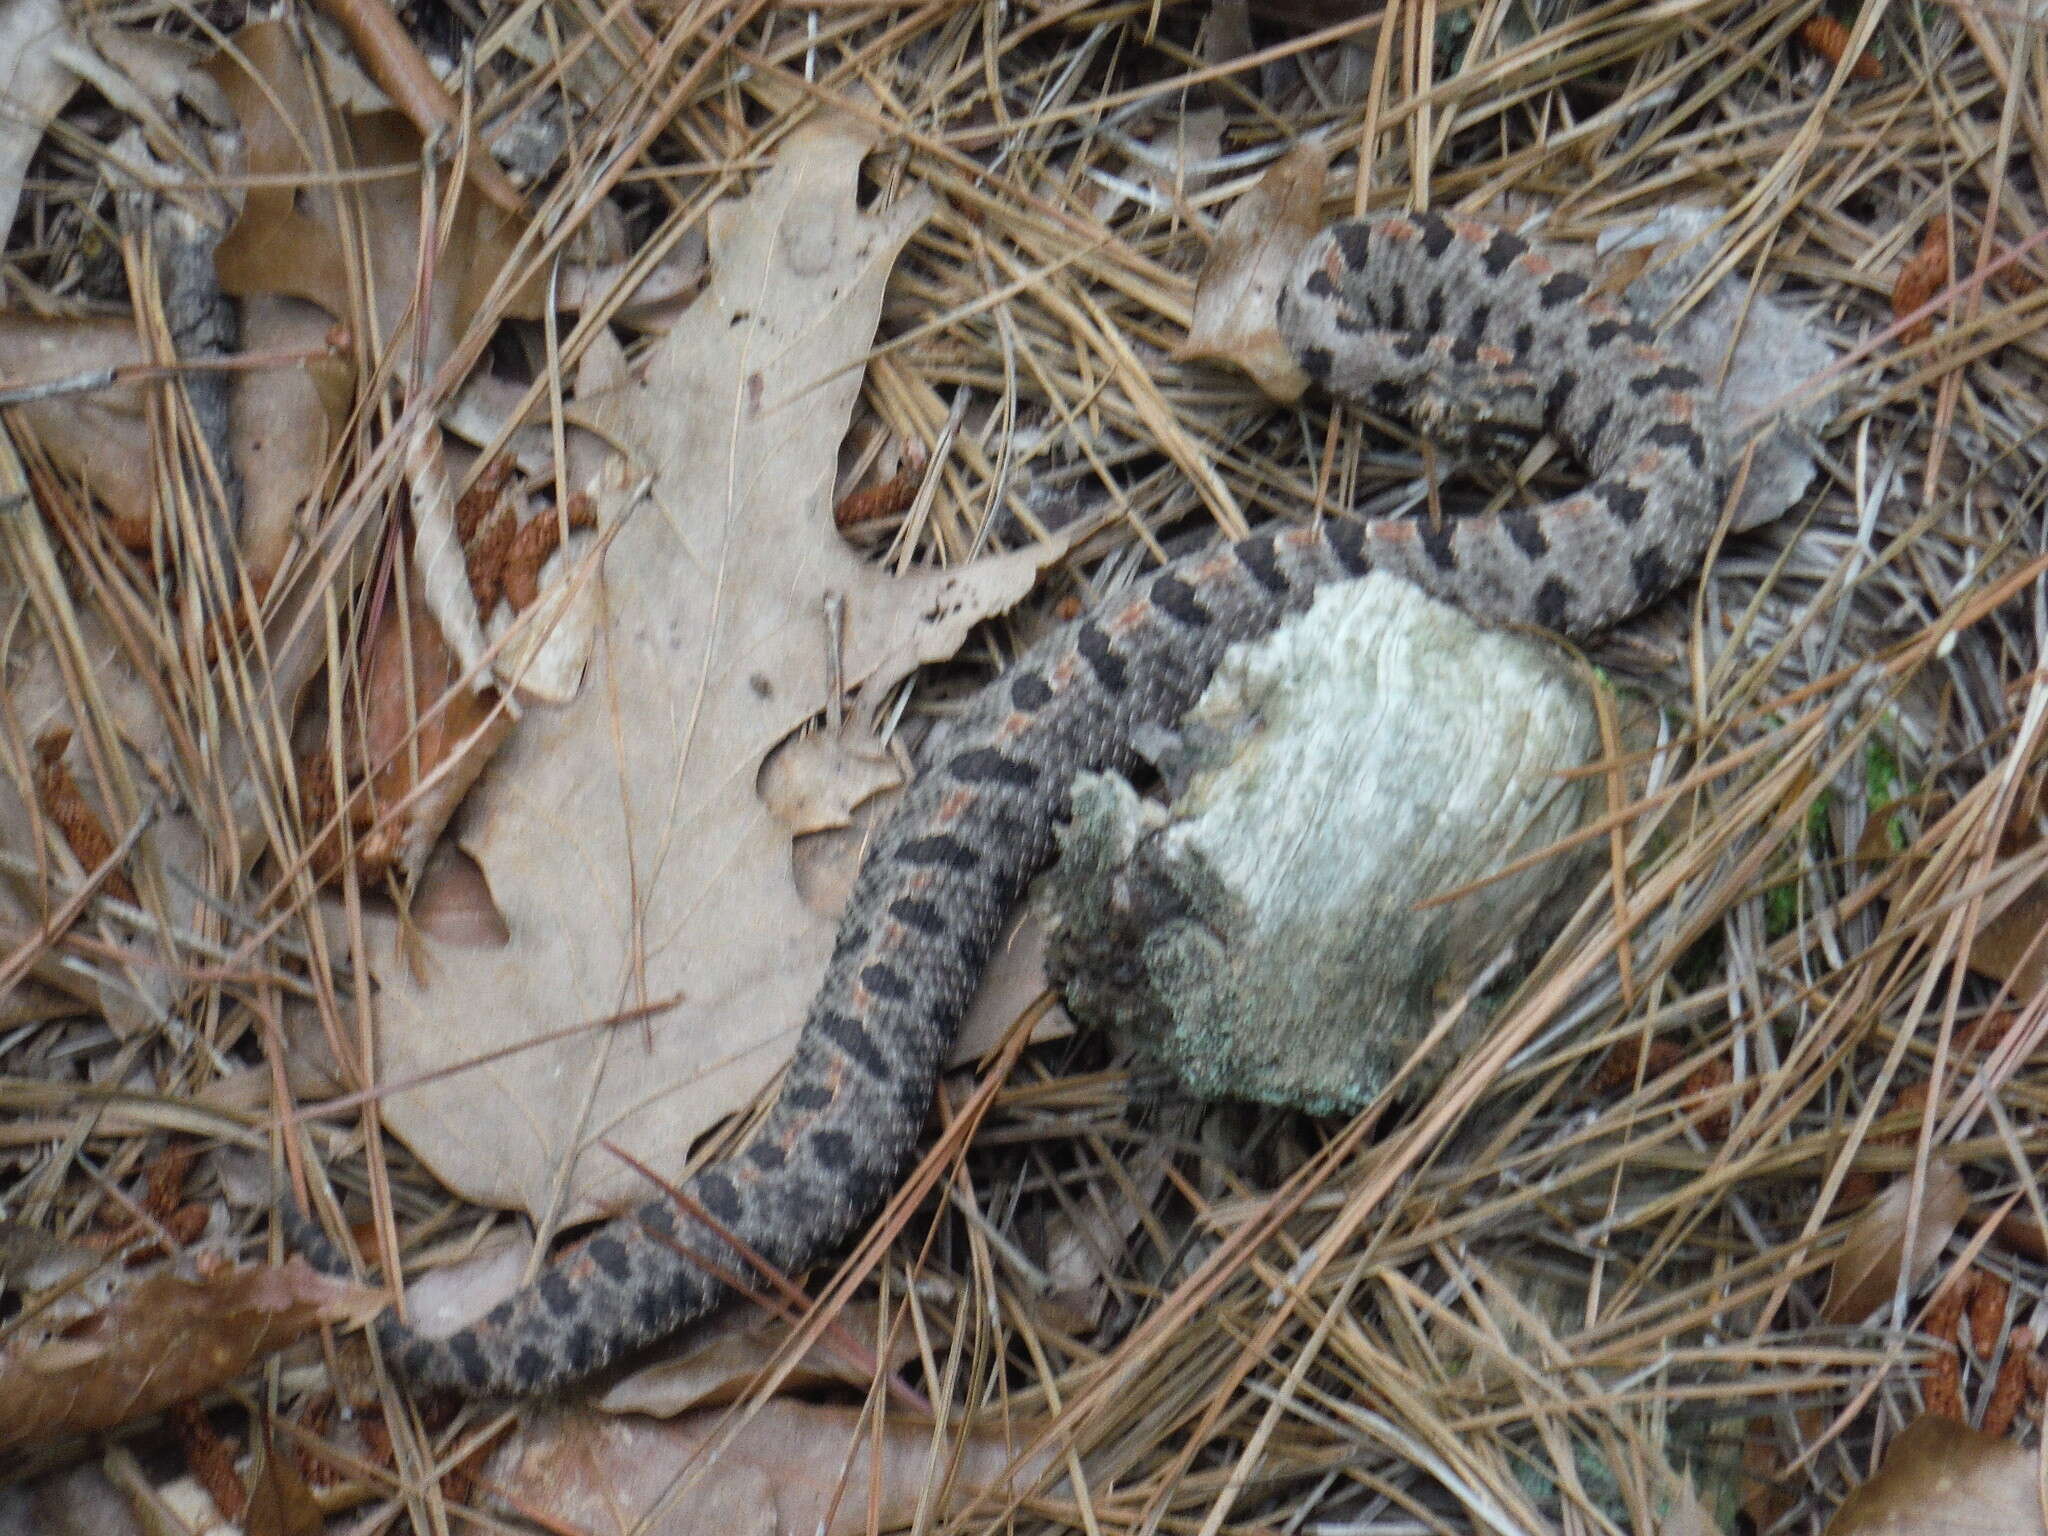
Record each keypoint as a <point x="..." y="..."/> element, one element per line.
<point x="1458" y="323"/>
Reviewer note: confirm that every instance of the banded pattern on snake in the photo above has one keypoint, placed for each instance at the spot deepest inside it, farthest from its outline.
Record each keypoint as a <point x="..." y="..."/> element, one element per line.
<point x="1456" y="322"/>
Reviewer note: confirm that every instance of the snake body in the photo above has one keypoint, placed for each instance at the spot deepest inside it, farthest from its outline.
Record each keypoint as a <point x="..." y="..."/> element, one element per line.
<point x="1457" y="322"/>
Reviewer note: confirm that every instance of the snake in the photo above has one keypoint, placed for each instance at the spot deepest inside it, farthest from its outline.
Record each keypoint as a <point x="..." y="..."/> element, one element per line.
<point x="1461" y="324"/>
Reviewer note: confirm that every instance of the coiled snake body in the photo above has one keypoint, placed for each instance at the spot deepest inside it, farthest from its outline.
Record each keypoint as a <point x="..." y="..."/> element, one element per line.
<point x="1455" y="322"/>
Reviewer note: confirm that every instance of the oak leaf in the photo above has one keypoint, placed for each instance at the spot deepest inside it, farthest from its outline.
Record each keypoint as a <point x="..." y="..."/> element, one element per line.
<point x="622" y="833"/>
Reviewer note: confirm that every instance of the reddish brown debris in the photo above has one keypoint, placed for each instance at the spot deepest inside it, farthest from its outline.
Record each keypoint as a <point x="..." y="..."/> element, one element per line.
<point x="530" y="548"/>
<point x="1921" y="278"/>
<point x="1830" y="39"/>
<point x="1988" y="1293"/>
<point x="65" y="804"/>
<point x="873" y="502"/>
<point x="209" y="1457"/>
<point x="1617" y="1069"/>
<point x="2010" y="1391"/>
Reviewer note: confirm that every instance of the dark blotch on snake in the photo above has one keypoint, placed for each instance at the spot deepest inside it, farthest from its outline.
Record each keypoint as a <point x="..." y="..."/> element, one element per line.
<point x="1526" y="530"/>
<point x="1354" y="243"/>
<point x="915" y="912"/>
<point x="1676" y="434"/>
<point x="557" y="1292"/>
<point x="1256" y="556"/>
<point x="1347" y="543"/>
<point x="1502" y="252"/>
<point x="1102" y="659"/>
<point x="1559" y="394"/>
<point x="884" y="980"/>
<point x="990" y="765"/>
<point x="807" y="1097"/>
<point x="941" y="849"/>
<point x="832" y="1148"/>
<point x="1671" y="376"/>
<point x="1440" y="543"/>
<point x="851" y="1038"/>
<point x="1652" y="573"/>
<point x="1624" y="501"/>
<point x="1029" y="691"/>
<point x="1177" y="600"/>
<point x="717" y="1193"/>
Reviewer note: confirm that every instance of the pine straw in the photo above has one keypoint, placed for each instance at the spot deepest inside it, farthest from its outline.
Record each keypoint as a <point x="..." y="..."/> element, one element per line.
<point x="1592" y="1261"/>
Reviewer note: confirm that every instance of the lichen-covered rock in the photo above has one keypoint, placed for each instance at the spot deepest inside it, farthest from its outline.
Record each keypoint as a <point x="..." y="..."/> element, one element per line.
<point x="1261" y="934"/>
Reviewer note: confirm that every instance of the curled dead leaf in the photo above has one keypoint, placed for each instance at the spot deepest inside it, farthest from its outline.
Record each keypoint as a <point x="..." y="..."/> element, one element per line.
<point x="1239" y="290"/>
<point x="425" y="735"/>
<point x="296" y="236"/>
<point x="1874" y="1253"/>
<point x="170" y="1335"/>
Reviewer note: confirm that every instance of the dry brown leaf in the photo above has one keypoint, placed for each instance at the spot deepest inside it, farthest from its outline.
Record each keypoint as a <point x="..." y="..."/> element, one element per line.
<point x="168" y="1336"/>
<point x="1255" y="251"/>
<point x="426" y="735"/>
<point x="2011" y="945"/>
<point x="53" y="642"/>
<point x="279" y="1503"/>
<point x="1012" y="981"/>
<point x="394" y="60"/>
<point x="288" y="238"/>
<point x="621" y="834"/>
<point x="2008" y="944"/>
<point x="1867" y="1269"/>
<point x="792" y="1470"/>
<point x="730" y="1362"/>
<point x="100" y="437"/>
<point x="1945" y="1479"/>
<point x="282" y="424"/>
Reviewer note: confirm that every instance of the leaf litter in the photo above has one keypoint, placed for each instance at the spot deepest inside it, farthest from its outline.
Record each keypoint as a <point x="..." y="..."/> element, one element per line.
<point x="1585" y="1285"/>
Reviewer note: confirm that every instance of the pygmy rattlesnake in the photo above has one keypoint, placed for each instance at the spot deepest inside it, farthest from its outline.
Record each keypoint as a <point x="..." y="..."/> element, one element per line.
<point x="1453" y="321"/>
